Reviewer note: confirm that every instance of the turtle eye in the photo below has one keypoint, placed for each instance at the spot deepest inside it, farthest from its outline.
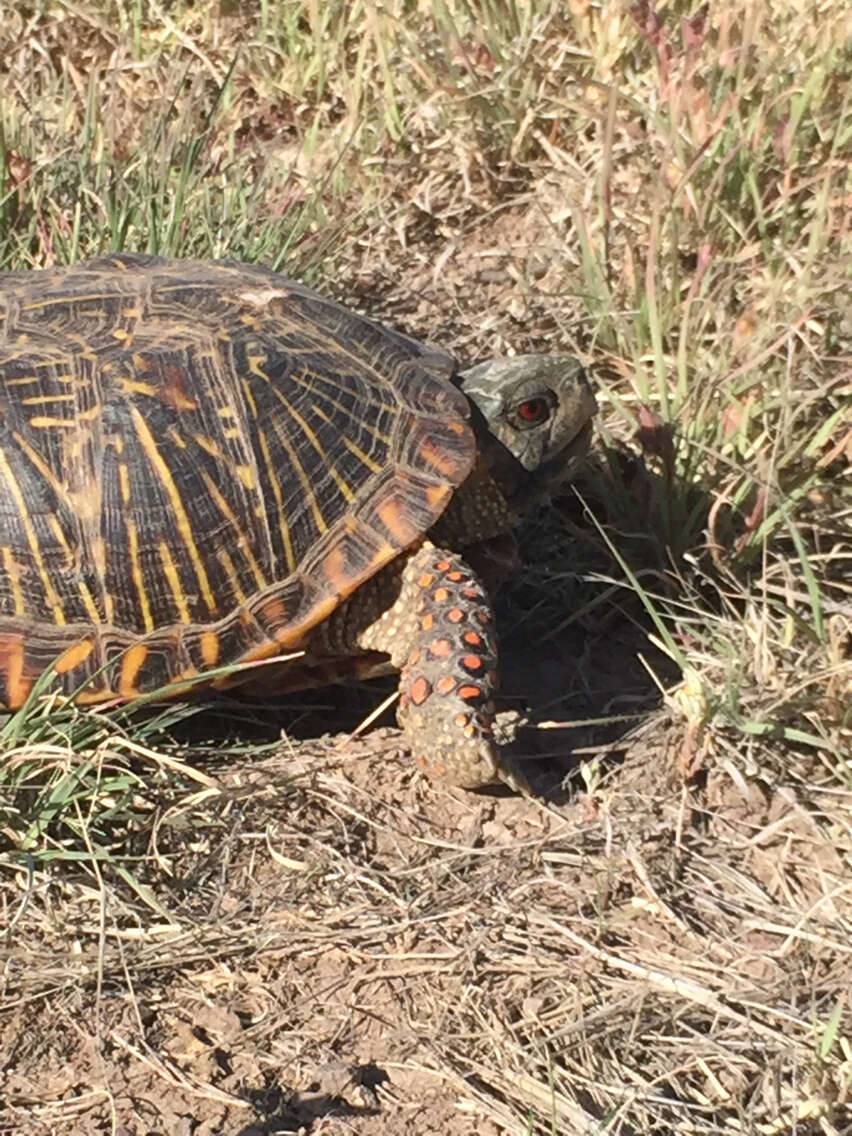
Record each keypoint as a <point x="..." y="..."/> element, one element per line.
<point x="531" y="412"/>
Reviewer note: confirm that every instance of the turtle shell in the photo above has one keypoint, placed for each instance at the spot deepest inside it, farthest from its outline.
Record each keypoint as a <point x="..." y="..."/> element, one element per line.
<point x="198" y="461"/>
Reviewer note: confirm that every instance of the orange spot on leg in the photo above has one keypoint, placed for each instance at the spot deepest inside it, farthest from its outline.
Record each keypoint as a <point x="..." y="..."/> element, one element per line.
<point x="440" y="649"/>
<point x="419" y="691"/>
<point x="470" y="692"/>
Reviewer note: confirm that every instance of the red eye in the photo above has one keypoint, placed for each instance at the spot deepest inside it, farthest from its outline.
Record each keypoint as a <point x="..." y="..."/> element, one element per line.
<point x="532" y="411"/>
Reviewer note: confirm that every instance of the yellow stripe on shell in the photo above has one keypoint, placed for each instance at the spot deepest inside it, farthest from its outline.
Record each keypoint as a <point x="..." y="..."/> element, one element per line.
<point x="136" y="573"/>
<point x="61" y="540"/>
<point x="55" y="300"/>
<point x="345" y="411"/>
<point x="173" y="578"/>
<point x="32" y="540"/>
<point x="13" y="571"/>
<point x="311" y="435"/>
<point x="243" y="542"/>
<point x="246" y="475"/>
<point x="351" y="446"/>
<point x="133" y="550"/>
<point x="210" y="445"/>
<point x="307" y="487"/>
<point x="89" y="601"/>
<point x="47" y="422"/>
<point x="124" y="482"/>
<point x="224" y="558"/>
<point x="283" y="527"/>
<point x="138" y="386"/>
<point x="22" y="381"/>
<point x="44" y="399"/>
<point x="33" y="455"/>
<point x="72" y="562"/>
<point x="154" y="456"/>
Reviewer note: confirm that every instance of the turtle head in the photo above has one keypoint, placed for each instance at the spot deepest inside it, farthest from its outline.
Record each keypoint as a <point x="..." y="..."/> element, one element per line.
<point x="534" y="421"/>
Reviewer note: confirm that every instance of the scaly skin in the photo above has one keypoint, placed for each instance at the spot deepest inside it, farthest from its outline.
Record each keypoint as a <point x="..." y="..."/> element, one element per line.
<point x="440" y="635"/>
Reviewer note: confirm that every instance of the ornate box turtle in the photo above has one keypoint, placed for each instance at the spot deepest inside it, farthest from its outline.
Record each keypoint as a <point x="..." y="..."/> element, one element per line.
<point x="205" y="464"/>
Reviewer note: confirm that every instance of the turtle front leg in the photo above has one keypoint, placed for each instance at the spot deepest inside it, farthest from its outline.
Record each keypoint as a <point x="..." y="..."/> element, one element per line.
<point x="440" y="633"/>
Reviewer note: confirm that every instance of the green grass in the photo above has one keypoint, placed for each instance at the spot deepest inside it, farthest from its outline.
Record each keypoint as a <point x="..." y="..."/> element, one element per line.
<point x="678" y="184"/>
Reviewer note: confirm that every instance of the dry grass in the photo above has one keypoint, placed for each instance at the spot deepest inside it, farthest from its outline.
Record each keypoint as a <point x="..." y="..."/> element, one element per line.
<point x="232" y="937"/>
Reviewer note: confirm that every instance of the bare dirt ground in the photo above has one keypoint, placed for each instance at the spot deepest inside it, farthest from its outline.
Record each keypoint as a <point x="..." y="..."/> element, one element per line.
<point x="341" y="949"/>
<point x="325" y="944"/>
